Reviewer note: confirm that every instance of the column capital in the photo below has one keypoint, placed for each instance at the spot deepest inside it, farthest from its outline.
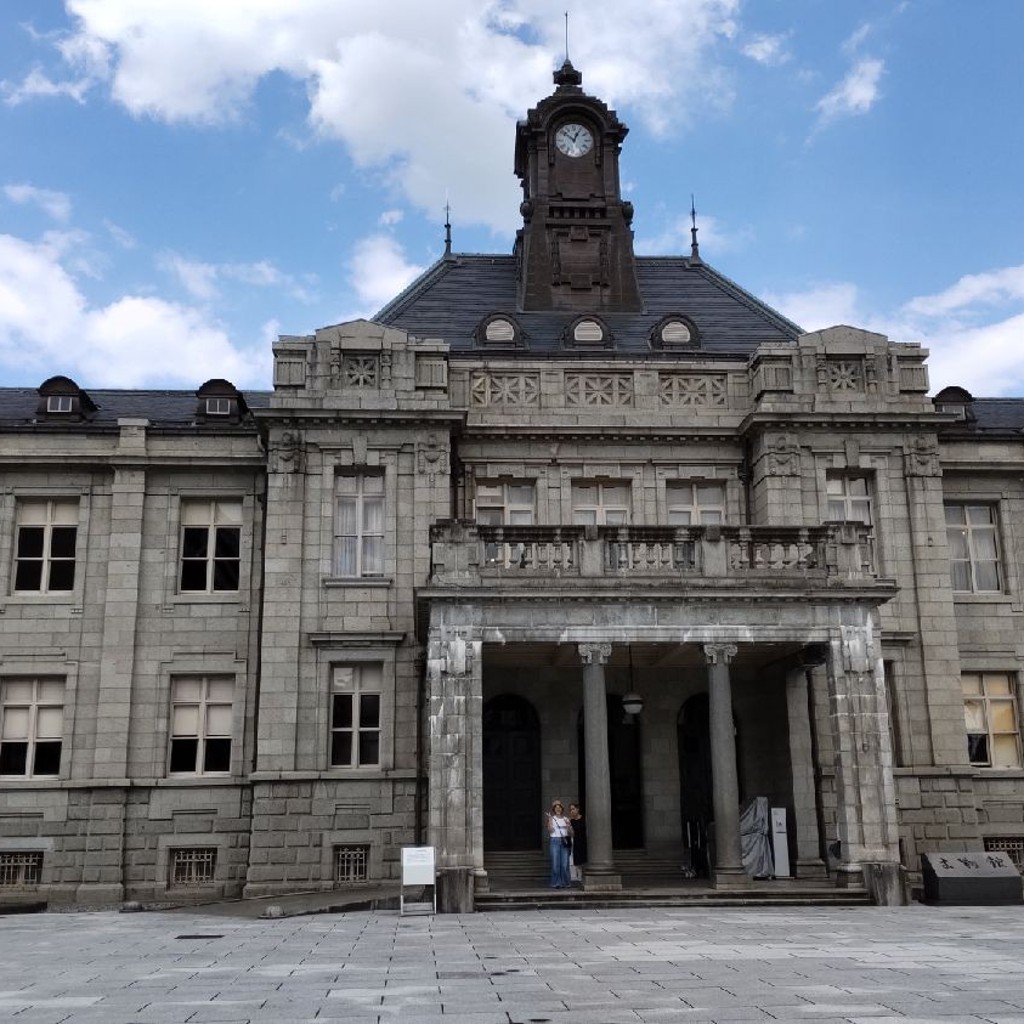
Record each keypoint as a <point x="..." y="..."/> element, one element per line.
<point x="594" y="654"/>
<point x="719" y="654"/>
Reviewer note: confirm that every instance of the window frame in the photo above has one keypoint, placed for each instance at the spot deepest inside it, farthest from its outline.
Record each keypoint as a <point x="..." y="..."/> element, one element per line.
<point x="211" y="559"/>
<point x="32" y="739"/>
<point x="601" y="508"/>
<point x="203" y="733"/>
<point x="506" y="511"/>
<point x="359" y="685"/>
<point x="973" y="560"/>
<point x="46" y="559"/>
<point x="985" y="700"/>
<point x="695" y="510"/>
<point x="848" y="499"/>
<point x="361" y="499"/>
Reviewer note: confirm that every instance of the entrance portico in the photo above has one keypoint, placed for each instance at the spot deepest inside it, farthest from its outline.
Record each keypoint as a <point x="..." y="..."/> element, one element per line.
<point x="557" y="642"/>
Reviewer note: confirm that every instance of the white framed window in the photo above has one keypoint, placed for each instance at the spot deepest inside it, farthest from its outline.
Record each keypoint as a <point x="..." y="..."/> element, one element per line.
<point x="31" y="727"/>
<point x="973" y="548"/>
<point x="849" y="498"/>
<point x="505" y="504"/>
<point x="695" y="503"/>
<point x="356" y="716"/>
<point x="600" y="504"/>
<point x="44" y="550"/>
<point x="211" y="542"/>
<point x="992" y="719"/>
<point x="201" y="725"/>
<point x="220" y="406"/>
<point x="60" y="403"/>
<point x="359" y="525"/>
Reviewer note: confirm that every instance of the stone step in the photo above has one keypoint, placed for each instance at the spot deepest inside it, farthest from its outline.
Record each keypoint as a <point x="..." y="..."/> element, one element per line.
<point x="695" y="898"/>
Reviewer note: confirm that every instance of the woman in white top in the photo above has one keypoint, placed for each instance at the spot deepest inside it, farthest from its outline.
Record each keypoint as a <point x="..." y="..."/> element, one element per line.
<point x="559" y="842"/>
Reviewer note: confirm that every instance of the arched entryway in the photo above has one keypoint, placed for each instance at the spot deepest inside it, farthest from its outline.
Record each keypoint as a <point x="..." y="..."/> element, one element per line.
<point x="696" y="781"/>
<point x="625" y="766"/>
<point x="511" y="767"/>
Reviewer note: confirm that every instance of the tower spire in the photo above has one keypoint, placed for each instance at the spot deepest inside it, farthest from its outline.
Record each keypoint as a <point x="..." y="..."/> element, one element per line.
<point x="694" y="246"/>
<point x="447" y="229"/>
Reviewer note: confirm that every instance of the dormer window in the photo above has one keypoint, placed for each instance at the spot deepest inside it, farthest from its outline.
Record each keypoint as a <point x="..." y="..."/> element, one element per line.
<point x="62" y="398"/>
<point x="219" y="401"/>
<point x="219" y="406"/>
<point x="674" y="332"/>
<point x="499" y="330"/>
<point x="587" y="332"/>
<point x="956" y="401"/>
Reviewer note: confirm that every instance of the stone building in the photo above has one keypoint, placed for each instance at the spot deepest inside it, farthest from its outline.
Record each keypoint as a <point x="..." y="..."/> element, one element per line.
<point x="567" y="522"/>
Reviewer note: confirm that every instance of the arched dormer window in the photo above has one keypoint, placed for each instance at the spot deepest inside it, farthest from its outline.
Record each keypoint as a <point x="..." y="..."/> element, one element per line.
<point x="499" y="330"/>
<point x="955" y="400"/>
<point x="587" y="332"/>
<point x="219" y="402"/>
<point x="674" y="332"/>
<point x="61" y="398"/>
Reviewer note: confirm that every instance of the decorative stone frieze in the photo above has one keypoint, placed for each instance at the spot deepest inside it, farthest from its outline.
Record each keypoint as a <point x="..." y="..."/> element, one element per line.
<point x="431" y="456"/>
<point x="359" y="370"/>
<point x="604" y="389"/>
<point x="694" y="390"/>
<point x="783" y="455"/>
<point x="507" y="389"/>
<point x="922" y="458"/>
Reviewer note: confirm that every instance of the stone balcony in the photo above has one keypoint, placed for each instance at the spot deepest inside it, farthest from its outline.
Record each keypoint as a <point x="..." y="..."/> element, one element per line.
<point x="834" y="556"/>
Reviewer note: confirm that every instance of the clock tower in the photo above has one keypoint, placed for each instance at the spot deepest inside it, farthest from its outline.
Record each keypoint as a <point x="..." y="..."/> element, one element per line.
<point x="575" y="248"/>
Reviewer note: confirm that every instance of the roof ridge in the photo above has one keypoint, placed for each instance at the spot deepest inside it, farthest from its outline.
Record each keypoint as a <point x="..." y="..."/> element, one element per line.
<point x="748" y="299"/>
<point x="434" y="272"/>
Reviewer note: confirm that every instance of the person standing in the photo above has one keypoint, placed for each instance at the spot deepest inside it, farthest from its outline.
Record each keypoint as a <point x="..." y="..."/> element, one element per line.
<point x="579" y="842"/>
<point x="559" y="843"/>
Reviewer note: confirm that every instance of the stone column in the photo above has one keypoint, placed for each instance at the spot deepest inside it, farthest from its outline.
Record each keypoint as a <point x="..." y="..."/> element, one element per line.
<point x="809" y="863"/>
<point x="865" y="791"/>
<point x="600" y="874"/>
<point x="727" y="872"/>
<point x="455" y="768"/>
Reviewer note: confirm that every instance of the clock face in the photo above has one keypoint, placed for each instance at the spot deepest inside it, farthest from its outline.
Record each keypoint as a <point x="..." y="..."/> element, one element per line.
<point x="574" y="140"/>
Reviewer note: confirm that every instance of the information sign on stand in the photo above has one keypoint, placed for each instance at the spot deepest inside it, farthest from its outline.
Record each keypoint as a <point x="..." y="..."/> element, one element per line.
<point x="418" y="872"/>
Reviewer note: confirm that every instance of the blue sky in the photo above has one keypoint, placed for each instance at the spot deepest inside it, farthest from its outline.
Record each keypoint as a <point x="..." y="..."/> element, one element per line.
<point x="183" y="180"/>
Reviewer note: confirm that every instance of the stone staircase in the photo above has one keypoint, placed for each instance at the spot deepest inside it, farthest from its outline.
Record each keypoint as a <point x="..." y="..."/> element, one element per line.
<point x="519" y="881"/>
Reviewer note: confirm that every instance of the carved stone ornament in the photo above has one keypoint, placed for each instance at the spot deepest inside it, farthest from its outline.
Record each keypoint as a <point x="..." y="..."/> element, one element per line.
<point x="783" y="455"/>
<point x="922" y="458"/>
<point x="431" y="456"/>
<point x="595" y="654"/>
<point x="286" y="456"/>
<point x="719" y="654"/>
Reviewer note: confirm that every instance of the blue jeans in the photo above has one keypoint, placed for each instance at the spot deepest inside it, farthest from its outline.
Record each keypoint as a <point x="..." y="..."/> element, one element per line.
<point x="559" y="863"/>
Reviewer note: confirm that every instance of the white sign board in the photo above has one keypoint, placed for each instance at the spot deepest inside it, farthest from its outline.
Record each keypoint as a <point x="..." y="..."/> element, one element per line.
<point x="417" y="865"/>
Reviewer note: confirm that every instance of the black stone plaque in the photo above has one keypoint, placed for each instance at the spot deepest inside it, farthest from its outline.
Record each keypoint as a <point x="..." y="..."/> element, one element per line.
<point x="971" y="879"/>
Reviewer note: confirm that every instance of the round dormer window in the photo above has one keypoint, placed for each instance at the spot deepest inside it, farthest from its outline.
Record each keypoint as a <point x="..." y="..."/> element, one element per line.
<point x="587" y="332"/>
<point x="675" y="332"/>
<point x="500" y="330"/>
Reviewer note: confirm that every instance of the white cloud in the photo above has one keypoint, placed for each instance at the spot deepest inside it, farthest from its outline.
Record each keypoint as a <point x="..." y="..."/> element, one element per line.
<point x="390" y="217"/>
<point x="123" y="238"/>
<point x="202" y="280"/>
<point x="47" y="325"/>
<point x="820" y="306"/>
<point x="54" y="204"/>
<point x="36" y="84"/>
<point x="855" y="94"/>
<point x="675" y="238"/>
<point x="767" y="49"/>
<point x="992" y="288"/>
<point x="401" y="84"/>
<point x="853" y="42"/>
<point x="379" y="270"/>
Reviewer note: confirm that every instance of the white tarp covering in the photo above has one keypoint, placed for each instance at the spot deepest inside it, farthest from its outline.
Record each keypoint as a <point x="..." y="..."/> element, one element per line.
<point x="755" y="840"/>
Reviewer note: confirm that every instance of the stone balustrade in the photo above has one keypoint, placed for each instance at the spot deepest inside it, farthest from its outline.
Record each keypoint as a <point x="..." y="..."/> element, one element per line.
<point x="463" y="551"/>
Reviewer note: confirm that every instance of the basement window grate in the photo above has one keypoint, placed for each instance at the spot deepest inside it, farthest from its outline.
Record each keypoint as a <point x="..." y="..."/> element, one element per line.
<point x="351" y="863"/>
<point x="1012" y="846"/>
<point x="20" y="870"/>
<point x="195" y="865"/>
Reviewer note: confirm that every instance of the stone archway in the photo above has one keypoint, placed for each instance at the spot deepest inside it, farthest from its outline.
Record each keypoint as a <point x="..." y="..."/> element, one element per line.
<point x="511" y="774"/>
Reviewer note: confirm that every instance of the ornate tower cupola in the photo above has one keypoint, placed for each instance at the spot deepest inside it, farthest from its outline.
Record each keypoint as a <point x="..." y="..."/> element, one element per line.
<point x="575" y="248"/>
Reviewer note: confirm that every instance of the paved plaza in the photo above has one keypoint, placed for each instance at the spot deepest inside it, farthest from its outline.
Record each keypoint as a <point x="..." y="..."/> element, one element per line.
<point x="911" y="965"/>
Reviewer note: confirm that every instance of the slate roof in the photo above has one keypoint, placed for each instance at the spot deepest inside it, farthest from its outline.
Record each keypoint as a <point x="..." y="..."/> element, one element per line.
<point x="995" y="414"/>
<point x="452" y="297"/>
<point x="161" y="408"/>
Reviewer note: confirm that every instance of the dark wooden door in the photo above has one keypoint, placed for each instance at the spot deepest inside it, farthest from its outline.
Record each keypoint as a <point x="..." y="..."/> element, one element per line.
<point x="513" y="811"/>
